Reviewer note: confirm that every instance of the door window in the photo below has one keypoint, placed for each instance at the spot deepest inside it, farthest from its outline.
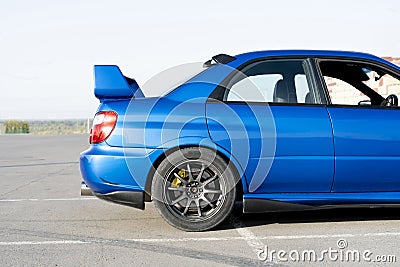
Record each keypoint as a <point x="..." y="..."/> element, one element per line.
<point x="351" y="83"/>
<point x="272" y="81"/>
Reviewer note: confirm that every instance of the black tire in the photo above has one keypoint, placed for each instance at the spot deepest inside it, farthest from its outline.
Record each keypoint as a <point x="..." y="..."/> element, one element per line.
<point x="194" y="189"/>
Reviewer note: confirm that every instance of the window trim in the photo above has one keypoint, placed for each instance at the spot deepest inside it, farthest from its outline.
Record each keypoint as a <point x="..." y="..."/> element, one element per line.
<point x="220" y="92"/>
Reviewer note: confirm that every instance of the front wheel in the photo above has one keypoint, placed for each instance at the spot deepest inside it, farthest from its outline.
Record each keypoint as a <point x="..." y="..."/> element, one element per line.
<point x="194" y="189"/>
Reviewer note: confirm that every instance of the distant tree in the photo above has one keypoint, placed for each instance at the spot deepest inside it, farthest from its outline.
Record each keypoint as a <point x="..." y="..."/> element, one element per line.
<point x="14" y="126"/>
<point x="25" y="127"/>
<point x="7" y="130"/>
<point x="9" y="127"/>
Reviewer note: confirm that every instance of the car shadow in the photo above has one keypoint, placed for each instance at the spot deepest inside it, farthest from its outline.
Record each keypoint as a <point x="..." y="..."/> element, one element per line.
<point x="310" y="216"/>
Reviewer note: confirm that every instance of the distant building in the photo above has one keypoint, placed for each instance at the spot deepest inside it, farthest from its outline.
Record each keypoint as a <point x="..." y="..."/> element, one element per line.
<point x="394" y="60"/>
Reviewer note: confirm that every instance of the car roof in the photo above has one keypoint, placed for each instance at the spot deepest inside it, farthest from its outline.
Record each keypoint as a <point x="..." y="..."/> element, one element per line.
<point x="241" y="58"/>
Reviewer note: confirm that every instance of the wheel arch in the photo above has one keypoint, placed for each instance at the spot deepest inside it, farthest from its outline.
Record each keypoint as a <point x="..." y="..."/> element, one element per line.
<point x="225" y="155"/>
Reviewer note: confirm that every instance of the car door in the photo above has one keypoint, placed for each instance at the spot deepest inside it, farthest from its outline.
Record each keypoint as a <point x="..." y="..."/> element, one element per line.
<point x="272" y="120"/>
<point x="366" y="134"/>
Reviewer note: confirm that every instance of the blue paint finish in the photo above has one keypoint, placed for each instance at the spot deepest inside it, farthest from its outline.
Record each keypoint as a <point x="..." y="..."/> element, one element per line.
<point x="153" y="122"/>
<point x="122" y="168"/>
<point x="367" y="144"/>
<point x="301" y="160"/>
<point x="202" y="85"/>
<point x="303" y="131"/>
<point x="110" y="83"/>
<point x="304" y="174"/>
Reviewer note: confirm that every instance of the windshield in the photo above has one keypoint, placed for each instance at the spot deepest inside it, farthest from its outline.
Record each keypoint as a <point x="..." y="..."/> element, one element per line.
<point x="169" y="79"/>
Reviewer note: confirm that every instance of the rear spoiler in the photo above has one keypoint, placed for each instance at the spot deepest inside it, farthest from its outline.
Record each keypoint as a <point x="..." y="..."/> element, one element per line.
<point x="110" y="83"/>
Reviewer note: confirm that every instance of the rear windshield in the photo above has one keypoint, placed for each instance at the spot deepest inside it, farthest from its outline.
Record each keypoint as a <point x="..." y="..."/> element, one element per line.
<point x="169" y="79"/>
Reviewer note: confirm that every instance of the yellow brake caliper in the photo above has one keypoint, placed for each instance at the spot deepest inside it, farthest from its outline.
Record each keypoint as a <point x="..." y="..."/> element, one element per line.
<point x="176" y="182"/>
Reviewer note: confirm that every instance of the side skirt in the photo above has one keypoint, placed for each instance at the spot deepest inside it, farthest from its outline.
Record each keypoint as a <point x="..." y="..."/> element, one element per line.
<point x="299" y="202"/>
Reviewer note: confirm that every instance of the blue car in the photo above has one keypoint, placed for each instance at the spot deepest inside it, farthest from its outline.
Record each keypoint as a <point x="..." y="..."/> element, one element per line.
<point x="273" y="130"/>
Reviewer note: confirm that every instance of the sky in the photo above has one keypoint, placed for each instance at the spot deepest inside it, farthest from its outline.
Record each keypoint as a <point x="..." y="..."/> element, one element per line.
<point x="48" y="48"/>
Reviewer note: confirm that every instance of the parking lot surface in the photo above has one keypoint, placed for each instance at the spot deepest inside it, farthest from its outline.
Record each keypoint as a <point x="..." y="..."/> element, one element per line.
<point x="45" y="222"/>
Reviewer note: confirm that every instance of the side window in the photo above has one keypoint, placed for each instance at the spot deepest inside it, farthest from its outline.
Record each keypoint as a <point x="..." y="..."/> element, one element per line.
<point x="302" y="89"/>
<point x="357" y="83"/>
<point x="272" y="81"/>
<point x="258" y="88"/>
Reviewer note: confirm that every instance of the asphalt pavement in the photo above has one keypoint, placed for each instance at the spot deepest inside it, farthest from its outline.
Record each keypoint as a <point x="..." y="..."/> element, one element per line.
<point x="45" y="222"/>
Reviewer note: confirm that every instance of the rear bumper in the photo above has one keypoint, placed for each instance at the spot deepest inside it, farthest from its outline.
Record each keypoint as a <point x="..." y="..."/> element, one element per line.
<point x="116" y="174"/>
<point x="127" y="198"/>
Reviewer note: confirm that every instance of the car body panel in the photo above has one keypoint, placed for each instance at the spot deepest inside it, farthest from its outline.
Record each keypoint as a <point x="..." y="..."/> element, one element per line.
<point x="367" y="146"/>
<point x="278" y="141"/>
<point x="105" y="169"/>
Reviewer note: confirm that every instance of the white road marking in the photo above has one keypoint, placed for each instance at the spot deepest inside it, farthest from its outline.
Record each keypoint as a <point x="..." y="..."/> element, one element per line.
<point x="381" y="234"/>
<point x="248" y="236"/>
<point x="48" y="199"/>
<point x="54" y="242"/>
<point x="185" y="239"/>
<point x="251" y="239"/>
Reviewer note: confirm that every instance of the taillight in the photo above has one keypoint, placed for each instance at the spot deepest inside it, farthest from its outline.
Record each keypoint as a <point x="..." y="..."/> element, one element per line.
<point x="103" y="125"/>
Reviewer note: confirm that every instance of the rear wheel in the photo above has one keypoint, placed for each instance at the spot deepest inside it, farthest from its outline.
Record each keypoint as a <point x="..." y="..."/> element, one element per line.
<point x="194" y="189"/>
